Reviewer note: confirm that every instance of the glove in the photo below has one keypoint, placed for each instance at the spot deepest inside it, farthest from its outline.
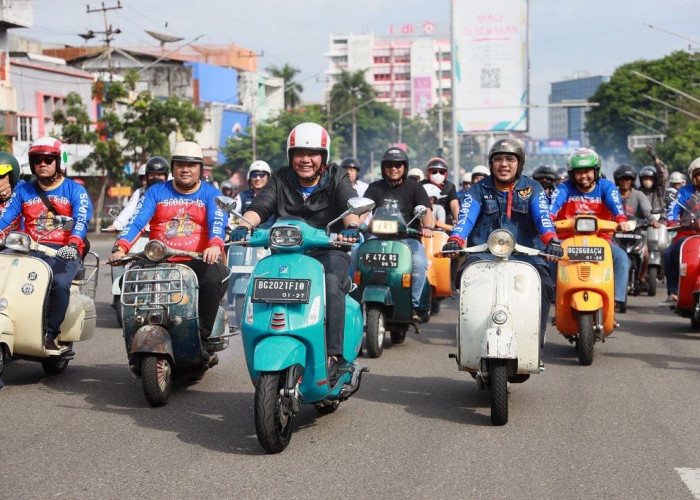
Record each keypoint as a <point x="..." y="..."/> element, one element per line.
<point x="239" y="234"/>
<point x="68" y="252"/>
<point x="351" y="231"/>
<point x="651" y="152"/>
<point x="451" y="246"/>
<point x="554" y="248"/>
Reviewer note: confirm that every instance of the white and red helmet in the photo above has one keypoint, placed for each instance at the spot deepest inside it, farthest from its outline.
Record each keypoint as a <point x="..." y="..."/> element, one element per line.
<point x="309" y="136"/>
<point x="49" y="146"/>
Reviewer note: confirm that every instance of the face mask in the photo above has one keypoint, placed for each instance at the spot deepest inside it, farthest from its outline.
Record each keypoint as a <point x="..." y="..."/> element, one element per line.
<point x="437" y="178"/>
<point x="647" y="183"/>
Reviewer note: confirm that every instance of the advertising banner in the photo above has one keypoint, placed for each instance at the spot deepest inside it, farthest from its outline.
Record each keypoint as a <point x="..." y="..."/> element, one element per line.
<point x="490" y="65"/>
<point x="233" y="123"/>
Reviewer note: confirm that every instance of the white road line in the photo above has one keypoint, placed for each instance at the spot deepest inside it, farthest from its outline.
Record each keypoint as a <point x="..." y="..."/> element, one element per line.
<point x="691" y="478"/>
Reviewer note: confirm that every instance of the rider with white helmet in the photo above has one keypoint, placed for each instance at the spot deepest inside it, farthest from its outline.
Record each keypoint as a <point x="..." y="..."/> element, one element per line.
<point x="479" y="172"/>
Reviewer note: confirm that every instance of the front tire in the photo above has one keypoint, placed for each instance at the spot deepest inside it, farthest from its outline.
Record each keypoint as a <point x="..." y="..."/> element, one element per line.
<point x="585" y="340"/>
<point x="498" y="385"/>
<point x="375" y="332"/>
<point x="652" y="281"/>
<point x="398" y="337"/>
<point x="156" y="374"/>
<point x="273" y="419"/>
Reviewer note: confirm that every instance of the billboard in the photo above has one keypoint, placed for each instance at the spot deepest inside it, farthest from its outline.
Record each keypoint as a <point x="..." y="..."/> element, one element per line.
<point x="551" y="147"/>
<point x="490" y="65"/>
<point x="422" y="75"/>
<point x="233" y="123"/>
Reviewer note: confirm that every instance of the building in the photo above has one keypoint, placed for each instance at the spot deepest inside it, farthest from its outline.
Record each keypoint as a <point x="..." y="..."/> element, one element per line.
<point x="410" y="69"/>
<point x="568" y="123"/>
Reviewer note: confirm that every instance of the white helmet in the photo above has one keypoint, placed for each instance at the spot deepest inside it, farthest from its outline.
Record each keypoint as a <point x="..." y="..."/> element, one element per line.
<point x="309" y="136"/>
<point x="188" y="151"/>
<point x="467" y="177"/>
<point x="480" y="170"/>
<point x="258" y="166"/>
<point x="433" y="191"/>
<point x="142" y="170"/>
<point x="694" y="165"/>
<point x="677" y="177"/>
<point x="417" y="172"/>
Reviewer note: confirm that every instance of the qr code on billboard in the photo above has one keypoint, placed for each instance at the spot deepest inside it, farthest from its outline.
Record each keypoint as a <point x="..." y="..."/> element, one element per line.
<point x="490" y="78"/>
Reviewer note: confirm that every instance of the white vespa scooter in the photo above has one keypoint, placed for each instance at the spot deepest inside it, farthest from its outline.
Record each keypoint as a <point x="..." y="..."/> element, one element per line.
<point x="499" y="320"/>
<point x="24" y="286"/>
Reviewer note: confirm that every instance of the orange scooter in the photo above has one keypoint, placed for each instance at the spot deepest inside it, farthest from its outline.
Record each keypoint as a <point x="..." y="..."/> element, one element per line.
<point x="585" y="305"/>
<point x="438" y="273"/>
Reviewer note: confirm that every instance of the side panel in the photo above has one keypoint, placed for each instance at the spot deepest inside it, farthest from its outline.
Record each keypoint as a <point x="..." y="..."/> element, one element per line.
<point x="489" y="286"/>
<point x="7" y="331"/>
<point x="438" y="267"/>
<point x="690" y="268"/>
<point x="81" y="318"/>
<point x="354" y="325"/>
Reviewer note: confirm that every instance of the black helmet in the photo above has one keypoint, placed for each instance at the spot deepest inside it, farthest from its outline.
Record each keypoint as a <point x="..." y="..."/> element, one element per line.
<point x="545" y="172"/>
<point x="395" y="155"/>
<point x="511" y="147"/>
<point x="624" y="172"/>
<point x="562" y="173"/>
<point x="157" y="164"/>
<point x="350" y="163"/>
<point x="648" y="171"/>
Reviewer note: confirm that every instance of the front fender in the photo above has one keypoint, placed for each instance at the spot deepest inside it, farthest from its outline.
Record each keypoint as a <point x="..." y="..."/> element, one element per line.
<point x="377" y="294"/>
<point x="500" y="343"/>
<point x="7" y="333"/>
<point x="277" y="353"/>
<point x="152" y="339"/>
<point x="579" y="303"/>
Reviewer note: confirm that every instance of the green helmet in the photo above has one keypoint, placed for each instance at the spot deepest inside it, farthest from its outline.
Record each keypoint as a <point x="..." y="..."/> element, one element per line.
<point x="583" y="158"/>
<point x="8" y="163"/>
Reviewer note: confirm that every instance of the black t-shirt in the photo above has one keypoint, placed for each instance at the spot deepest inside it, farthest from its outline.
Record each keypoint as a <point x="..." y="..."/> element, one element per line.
<point x="408" y="194"/>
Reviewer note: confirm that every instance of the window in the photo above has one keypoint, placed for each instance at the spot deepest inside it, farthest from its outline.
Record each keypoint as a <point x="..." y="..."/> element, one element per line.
<point x="25" y="129"/>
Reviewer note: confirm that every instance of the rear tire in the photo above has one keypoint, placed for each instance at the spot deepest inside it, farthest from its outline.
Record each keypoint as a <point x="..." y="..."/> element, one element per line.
<point x="434" y="306"/>
<point x="156" y="374"/>
<point x="498" y="385"/>
<point x="273" y="422"/>
<point x="652" y="281"/>
<point x="2" y="359"/>
<point x="118" y="309"/>
<point x="374" y="337"/>
<point x="398" y="337"/>
<point x="585" y="340"/>
<point x="54" y="365"/>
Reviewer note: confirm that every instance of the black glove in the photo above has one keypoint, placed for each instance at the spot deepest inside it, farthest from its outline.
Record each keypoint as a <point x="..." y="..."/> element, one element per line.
<point x="239" y="234"/>
<point x="352" y="231"/>
<point x="651" y="152"/>
<point x="554" y="248"/>
<point x="451" y="246"/>
<point x="68" y="252"/>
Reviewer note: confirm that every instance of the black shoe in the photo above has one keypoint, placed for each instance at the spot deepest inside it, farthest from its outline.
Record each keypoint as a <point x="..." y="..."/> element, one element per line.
<point x="51" y="345"/>
<point x="333" y="371"/>
<point x="204" y="354"/>
<point x="620" y="307"/>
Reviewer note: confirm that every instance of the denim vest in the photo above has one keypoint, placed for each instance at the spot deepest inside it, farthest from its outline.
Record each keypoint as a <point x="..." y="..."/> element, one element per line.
<point x="493" y="213"/>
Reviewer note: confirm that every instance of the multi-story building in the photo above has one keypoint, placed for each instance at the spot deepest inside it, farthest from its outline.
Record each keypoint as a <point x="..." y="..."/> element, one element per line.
<point x="410" y="71"/>
<point x="568" y="122"/>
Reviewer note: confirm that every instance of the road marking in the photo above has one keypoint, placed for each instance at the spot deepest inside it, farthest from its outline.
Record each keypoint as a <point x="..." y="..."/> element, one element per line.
<point x="691" y="478"/>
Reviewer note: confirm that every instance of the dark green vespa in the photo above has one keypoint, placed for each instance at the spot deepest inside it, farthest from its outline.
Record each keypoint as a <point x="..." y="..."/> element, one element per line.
<point x="383" y="277"/>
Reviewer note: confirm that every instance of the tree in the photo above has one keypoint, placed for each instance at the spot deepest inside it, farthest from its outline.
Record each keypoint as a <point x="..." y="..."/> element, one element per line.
<point x="350" y="91"/>
<point x="292" y="89"/>
<point x="75" y="124"/>
<point x="609" y="124"/>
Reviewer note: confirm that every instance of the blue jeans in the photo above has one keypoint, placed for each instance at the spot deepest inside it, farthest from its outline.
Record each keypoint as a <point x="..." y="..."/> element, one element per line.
<point x="672" y="263"/>
<point x="64" y="272"/>
<point x="621" y="270"/>
<point x="418" y="270"/>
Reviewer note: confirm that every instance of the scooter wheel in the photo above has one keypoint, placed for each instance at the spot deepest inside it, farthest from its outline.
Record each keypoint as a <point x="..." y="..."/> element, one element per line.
<point x="585" y="339"/>
<point x="2" y="359"/>
<point x="54" y="365"/>
<point x="156" y="374"/>
<point x="274" y="419"/>
<point x="652" y="281"/>
<point x="498" y="386"/>
<point x="375" y="330"/>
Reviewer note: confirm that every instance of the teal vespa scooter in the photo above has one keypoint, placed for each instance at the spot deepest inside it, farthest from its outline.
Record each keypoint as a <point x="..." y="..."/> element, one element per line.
<point x="284" y="323"/>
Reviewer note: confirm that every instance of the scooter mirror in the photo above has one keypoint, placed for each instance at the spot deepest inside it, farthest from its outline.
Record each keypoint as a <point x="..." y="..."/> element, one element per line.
<point x="359" y="205"/>
<point x="419" y="211"/>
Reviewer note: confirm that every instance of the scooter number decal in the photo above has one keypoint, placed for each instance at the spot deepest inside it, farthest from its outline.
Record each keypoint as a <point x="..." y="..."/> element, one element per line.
<point x="381" y="259"/>
<point x="281" y="290"/>
<point x="586" y="253"/>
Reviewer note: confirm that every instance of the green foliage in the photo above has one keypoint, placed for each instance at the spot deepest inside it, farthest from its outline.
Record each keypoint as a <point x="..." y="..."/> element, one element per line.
<point x="292" y="89"/>
<point x="74" y="120"/>
<point x="609" y="124"/>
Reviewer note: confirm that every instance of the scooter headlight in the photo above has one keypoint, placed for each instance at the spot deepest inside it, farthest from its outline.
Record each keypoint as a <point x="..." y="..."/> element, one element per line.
<point x="285" y="236"/>
<point x="501" y="243"/>
<point x="586" y="225"/>
<point x="19" y="242"/>
<point x="155" y="250"/>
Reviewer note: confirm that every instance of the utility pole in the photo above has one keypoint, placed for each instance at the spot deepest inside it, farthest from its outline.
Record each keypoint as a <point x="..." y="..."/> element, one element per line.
<point x="441" y="132"/>
<point x="108" y="32"/>
<point x="254" y="87"/>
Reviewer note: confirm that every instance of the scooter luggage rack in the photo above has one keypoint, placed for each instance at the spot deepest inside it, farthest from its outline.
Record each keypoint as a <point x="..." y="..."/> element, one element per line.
<point x="152" y="287"/>
<point x="88" y="285"/>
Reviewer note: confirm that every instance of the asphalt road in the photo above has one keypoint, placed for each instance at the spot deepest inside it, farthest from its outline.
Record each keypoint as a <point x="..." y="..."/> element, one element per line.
<point x="417" y="428"/>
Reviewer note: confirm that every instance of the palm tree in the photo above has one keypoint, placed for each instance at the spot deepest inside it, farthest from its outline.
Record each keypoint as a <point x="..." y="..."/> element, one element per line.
<point x="292" y="89"/>
<point x="349" y="91"/>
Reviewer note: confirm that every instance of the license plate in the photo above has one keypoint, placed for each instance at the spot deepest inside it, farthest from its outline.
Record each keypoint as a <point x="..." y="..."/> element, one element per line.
<point x="241" y="269"/>
<point x="586" y="253"/>
<point x="380" y="259"/>
<point x="281" y="290"/>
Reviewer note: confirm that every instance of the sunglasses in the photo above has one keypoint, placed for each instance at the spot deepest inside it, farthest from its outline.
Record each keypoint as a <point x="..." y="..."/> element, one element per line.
<point x="258" y="175"/>
<point x="38" y="160"/>
<point x="389" y="166"/>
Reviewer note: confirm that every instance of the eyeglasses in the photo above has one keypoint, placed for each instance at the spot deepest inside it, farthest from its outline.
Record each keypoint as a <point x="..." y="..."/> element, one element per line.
<point x="38" y="160"/>
<point x="258" y="175"/>
<point x="389" y="166"/>
<point x="509" y="159"/>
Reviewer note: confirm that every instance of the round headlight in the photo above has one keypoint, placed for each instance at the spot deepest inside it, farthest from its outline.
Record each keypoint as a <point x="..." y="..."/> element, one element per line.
<point x="499" y="317"/>
<point x="155" y="250"/>
<point x="501" y="243"/>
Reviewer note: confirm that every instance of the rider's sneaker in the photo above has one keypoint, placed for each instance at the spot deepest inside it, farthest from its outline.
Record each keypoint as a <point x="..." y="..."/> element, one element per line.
<point x="51" y="345"/>
<point x="332" y="370"/>
<point x="671" y="300"/>
<point x="203" y="353"/>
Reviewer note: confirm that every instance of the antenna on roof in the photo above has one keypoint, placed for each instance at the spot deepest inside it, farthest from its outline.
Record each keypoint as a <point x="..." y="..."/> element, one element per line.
<point x="164" y="38"/>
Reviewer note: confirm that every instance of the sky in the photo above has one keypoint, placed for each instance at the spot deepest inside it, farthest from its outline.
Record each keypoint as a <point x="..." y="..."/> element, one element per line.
<point x="566" y="36"/>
